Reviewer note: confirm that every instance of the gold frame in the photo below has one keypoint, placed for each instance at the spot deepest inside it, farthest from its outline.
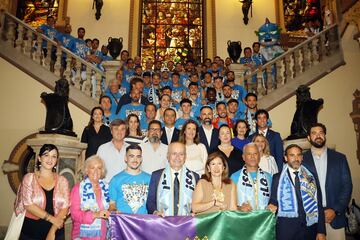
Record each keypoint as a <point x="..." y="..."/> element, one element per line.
<point x="209" y="33"/>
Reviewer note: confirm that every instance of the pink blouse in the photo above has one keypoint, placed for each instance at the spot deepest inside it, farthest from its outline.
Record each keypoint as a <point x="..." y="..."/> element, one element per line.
<point x="83" y="217"/>
<point x="30" y="192"/>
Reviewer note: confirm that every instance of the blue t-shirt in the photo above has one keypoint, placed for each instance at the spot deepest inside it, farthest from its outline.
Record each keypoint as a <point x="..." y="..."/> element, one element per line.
<point x="48" y="31"/>
<point x="115" y="98"/>
<point x="176" y="93"/>
<point x="236" y="142"/>
<point x="126" y="109"/>
<point x="65" y="39"/>
<point x="78" y="47"/>
<point x="130" y="192"/>
<point x="181" y="121"/>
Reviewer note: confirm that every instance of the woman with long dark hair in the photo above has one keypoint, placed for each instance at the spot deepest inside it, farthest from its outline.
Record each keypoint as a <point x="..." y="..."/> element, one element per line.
<point x="196" y="153"/>
<point x="44" y="197"/>
<point x="133" y="132"/>
<point x="96" y="132"/>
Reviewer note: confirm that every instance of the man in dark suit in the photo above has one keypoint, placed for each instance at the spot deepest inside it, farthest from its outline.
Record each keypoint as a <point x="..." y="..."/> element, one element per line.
<point x="209" y="136"/>
<point x="167" y="199"/>
<point x="333" y="171"/>
<point x="274" y="138"/>
<point x="300" y="212"/>
<point x="169" y="133"/>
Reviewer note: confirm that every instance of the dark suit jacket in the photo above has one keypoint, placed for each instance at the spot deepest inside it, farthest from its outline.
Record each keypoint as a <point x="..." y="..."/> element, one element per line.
<point x="276" y="146"/>
<point x="174" y="138"/>
<point x="338" y="184"/>
<point x="151" y="203"/>
<point x="290" y="228"/>
<point x="214" y="139"/>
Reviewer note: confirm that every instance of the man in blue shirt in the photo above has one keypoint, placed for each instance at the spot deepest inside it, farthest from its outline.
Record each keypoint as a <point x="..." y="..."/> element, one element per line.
<point x="129" y="189"/>
<point x="64" y="39"/>
<point x="78" y="46"/>
<point x="134" y="107"/>
<point x="49" y="30"/>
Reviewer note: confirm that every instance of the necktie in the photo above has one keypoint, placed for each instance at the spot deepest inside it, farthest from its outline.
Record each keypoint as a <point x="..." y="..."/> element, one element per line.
<point x="298" y="194"/>
<point x="168" y="134"/>
<point x="176" y="194"/>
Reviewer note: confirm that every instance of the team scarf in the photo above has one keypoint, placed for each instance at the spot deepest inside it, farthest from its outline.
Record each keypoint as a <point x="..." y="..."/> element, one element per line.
<point x="256" y="192"/>
<point x="88" y="203"/>
<point x="286" y="196"/>
<point x="165" y="192"/>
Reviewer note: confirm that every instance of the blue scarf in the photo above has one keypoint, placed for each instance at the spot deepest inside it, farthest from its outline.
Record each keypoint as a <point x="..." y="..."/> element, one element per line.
<point x="256" y="192"/>
<point x="88" y="203"/>
<point x="286" y="195"/>
<point x="165" y="192"/>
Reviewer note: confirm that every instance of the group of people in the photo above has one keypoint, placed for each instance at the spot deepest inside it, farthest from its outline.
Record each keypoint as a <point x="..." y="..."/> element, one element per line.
<point x="309" y="193"/>
<point x="176" y="139"/>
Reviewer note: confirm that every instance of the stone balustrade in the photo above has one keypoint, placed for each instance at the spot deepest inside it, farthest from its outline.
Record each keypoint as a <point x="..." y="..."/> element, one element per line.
<point x="294" y="62"/>
<point x="26" y="40"/>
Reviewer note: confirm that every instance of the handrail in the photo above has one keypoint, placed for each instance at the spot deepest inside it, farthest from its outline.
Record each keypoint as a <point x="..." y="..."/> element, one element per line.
<point x="290" y="51"/>
<point x="63" y="49"/>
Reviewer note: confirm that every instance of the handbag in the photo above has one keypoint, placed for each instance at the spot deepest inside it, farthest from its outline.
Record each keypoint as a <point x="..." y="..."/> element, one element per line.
<point x="15" y="225"/>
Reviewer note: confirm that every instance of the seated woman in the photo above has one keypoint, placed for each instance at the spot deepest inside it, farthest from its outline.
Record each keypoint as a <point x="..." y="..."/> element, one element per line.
<point x="267" y="162"/>
<point x="89" y="213"/>
<point x="232" y="154"/>
<point x="215" y="191"/>
<point x="96" y="132"/>
<point x="196" y="153"/>
<point x="241" y="132"/>
<point x="133" y="132"/>
<point x="44" y="197"/>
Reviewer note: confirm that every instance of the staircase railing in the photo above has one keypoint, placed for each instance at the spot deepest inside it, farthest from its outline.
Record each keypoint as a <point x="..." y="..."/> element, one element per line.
<point x="27" y="41"/>
<point x="295" y="62"/>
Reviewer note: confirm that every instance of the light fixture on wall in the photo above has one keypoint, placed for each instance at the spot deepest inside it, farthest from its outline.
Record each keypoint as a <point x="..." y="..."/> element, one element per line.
<point x="98" y="4"/>
<point x="246" y="5"/>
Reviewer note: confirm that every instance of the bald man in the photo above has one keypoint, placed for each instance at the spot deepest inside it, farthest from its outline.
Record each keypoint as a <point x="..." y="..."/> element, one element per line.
<point x="171" y="188"/>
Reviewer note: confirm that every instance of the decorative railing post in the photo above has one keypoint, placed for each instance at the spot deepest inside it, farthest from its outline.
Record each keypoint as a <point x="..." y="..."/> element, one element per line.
<point x="57" y="65"/>
<point x="67" y="72"/>
<point x="20" y="38"/>
<point x="279" y="77"/>
<point x="38" y="55"/>
<point x="296" y="67"/>
<point x="10" y="32"/>
<point x="269" y="79"/>
<point x="28" y="44"/>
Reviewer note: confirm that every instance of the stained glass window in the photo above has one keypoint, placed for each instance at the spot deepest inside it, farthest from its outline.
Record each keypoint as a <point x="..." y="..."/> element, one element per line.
<point x="172" y="30"/>
<point x="296" y="12"/>
<point x="35" y="12"/>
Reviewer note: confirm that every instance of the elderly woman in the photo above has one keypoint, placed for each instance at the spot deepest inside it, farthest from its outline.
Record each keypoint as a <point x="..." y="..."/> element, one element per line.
<point x="89" y="202"/>
<point x="196" y="153"/>
<point x="44" y="197"/>
<point x="215" y="191"/>
<point x="267" y="162"/>
<point x="96" y="132"/>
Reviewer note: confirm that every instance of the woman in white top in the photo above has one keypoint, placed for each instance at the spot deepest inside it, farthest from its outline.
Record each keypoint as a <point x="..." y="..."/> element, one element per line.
<point x="267" y="162"/>
<point x="196" y="154"/>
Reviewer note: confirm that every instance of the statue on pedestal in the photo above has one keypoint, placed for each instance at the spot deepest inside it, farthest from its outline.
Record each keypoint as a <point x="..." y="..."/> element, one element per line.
<point x="58" y="119"/>
<point x="306" y="113"/>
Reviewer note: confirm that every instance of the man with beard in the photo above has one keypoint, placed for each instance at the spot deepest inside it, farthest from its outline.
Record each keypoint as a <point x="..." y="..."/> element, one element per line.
<point x="209" y="136"/>
<point x="154" y="151"/>
<point x="239" y="91"/>
<point x="222" y="117"/>
<point x="332" y="170"/>
<point x="134" y="107"/>
<point x="250" y="110"/>
<point x="295" y="193"/>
